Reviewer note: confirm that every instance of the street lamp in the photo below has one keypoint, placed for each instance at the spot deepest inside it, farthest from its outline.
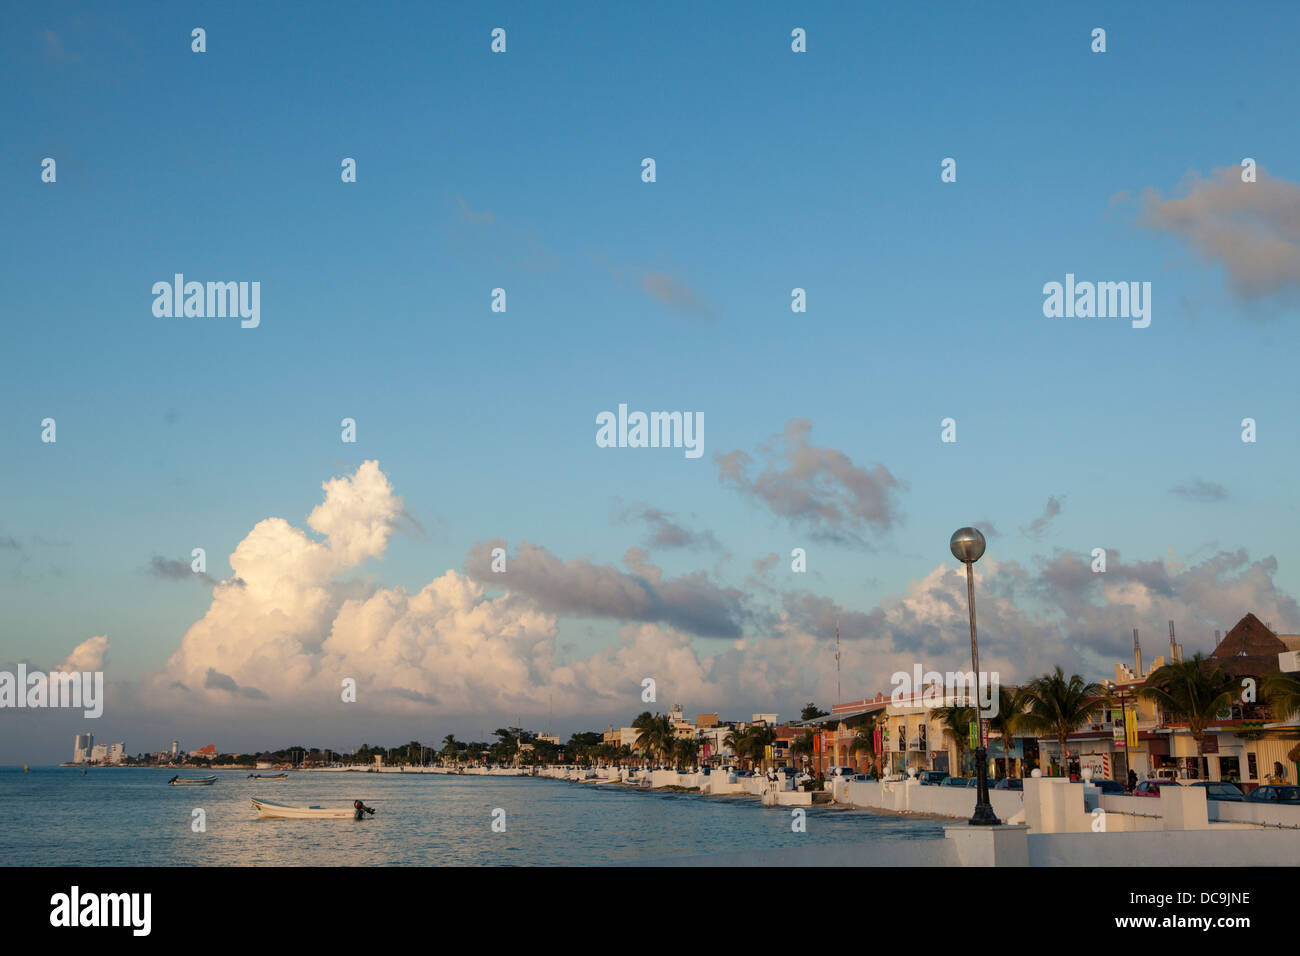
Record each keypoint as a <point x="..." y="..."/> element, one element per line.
<point x="967" y="546"/>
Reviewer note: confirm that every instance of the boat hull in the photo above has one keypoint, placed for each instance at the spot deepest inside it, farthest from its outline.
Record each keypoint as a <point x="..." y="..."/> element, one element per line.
<point x="279" y="811"/>
<point x="194" y="782"/>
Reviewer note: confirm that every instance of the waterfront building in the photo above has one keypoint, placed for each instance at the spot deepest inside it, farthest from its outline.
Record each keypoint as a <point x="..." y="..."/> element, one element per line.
<point x="1242" y="746"/>
<point x="906" y="735"/>
<point x="713" y="745"/>
<point x="834" y="733"/>
<point x="626" y="737"/>
<point x="1247" y="740"/>
<point x="82" y="747"/>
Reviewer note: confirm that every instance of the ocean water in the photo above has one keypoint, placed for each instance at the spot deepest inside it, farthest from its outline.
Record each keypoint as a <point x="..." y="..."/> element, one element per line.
<point x="54" y="816"/>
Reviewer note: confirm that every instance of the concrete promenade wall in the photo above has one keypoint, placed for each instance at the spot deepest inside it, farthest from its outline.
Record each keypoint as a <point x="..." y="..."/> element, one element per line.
<point x="1163" y="848"/>
<point x="909" y="797"/>
<point x="875" y="853"/>
<point x="1130" y="814"/>
<point x="1056" y="825"/>
<point x="1273" y="814"/>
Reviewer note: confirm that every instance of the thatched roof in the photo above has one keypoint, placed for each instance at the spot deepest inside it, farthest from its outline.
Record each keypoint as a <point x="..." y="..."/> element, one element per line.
<point x="1249" y="638"/>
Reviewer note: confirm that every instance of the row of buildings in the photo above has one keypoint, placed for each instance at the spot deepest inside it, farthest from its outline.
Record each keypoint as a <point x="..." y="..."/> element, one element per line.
<point x="85" y="750"/>
<point x="1246" y="744"/>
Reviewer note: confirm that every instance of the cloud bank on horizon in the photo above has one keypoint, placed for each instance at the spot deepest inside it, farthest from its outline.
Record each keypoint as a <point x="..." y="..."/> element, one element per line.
<point x="282" y="634"/>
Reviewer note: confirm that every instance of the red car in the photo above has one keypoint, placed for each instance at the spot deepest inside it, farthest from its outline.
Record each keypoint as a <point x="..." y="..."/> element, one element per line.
<point x="1151" y="788"/>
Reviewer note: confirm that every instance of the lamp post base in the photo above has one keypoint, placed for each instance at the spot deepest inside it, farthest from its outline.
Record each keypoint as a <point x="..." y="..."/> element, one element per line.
<point x="984" y="815"/>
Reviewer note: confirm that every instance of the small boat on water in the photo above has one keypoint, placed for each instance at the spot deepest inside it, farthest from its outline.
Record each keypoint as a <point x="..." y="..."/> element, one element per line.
<point x="193" y="781"/>
<point x="280" y="811"/>
<point x="269" y="776"/>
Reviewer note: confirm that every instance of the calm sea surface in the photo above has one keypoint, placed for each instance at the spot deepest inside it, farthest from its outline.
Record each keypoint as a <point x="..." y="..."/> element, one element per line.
<point x="54" y="816"/>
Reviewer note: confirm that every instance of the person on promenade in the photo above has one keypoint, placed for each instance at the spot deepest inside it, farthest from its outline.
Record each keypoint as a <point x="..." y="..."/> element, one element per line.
<point x="1278" y="776"/>
<point x="1132" y="779"/>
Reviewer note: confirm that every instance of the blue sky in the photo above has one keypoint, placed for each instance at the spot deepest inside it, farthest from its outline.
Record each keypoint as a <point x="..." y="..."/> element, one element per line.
<point x="522" y="171"/>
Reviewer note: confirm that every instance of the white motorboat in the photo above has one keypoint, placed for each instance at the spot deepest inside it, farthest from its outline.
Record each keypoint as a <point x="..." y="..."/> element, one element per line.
<point x="193" y="781"/>
<point x="281" y="811"/>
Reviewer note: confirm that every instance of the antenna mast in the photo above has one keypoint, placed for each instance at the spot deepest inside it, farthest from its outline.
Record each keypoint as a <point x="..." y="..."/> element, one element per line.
<point x="838" y="693"/>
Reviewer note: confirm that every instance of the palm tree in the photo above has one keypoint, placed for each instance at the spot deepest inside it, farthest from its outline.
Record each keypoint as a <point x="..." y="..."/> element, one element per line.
<point x="1282" y="691"/>
<point x="955" y="721"/>
<point x="865" y="739"/>
<point x="450" y="746"/>
<point x="644" y="723"/>
<point x="1194" y="691"/>
<point x="760" y="738"/>
<point x="1057" y="706"/>
<point x="656" y="736"/>
<point x="685" y="749"/>
<point x="803" y="745"/>
<point x="738" y="741"/>
<point x="1009" y="720"/>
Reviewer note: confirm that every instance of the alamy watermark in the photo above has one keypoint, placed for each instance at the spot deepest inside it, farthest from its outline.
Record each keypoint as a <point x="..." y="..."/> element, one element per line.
<point x="129" y="910"/>
<point x="1102" y="300"/>
<point x="212" y="300"/>
<point x="953" y="688"/>
<point x="652" y="430"/>
<point x="84" y="689"/>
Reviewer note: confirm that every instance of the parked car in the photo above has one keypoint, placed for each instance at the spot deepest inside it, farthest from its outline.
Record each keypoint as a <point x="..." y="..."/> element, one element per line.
<point x="1151" y="788"/>
<point x="973" y="782"/>
<point x="1108" y="786"/>
<point x="1220" y="790"/>
<point x="931" y="778"/>
<point x="1272" y="793"/>
<point x="840" y="772"/>
<point x="954" y="782"/>
<point x="1009" y="783"/>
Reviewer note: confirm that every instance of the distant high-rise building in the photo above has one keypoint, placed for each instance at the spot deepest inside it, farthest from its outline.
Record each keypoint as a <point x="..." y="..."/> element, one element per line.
<point x="116" y="752"/>
<point x="99" y="753"/>
<point x="82" y="746"/>
<point x="176" y="747"/>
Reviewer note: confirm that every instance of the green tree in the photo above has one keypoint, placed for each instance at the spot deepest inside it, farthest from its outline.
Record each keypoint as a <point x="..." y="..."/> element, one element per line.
<point x="864" y="739"/>
<point x="955" y="721"/>
<point x="811" y="712"/>
<point x="760" y="737"/>
<point x="1008" y="721"/>
<point x="738" y="741"/>
<point x="656" y="736"/>
<point x="1057" y="706"/>
<point x="1282" y="691"/>
<point x="1192" y="691"/>
<point x="686" y="749"/>
<point x="804" y="745"/>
